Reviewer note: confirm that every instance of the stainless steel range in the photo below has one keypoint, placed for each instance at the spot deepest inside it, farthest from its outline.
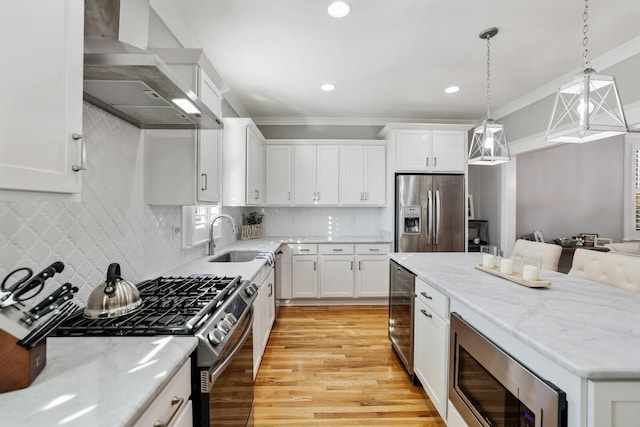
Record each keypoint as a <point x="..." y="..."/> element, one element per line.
<point x="216" y="310"/>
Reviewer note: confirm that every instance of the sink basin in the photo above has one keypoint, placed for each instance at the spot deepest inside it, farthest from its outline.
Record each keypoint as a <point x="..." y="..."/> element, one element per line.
<point x="235" y="256"/>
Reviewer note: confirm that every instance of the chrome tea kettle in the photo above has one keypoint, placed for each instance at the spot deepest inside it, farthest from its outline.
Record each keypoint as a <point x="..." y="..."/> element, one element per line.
<point x="113" y="298"/>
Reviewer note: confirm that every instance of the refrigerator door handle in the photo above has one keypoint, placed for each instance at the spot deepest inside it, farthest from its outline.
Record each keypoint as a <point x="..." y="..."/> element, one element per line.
<point x="429" y="216"/>
<point x="438" y="213"/>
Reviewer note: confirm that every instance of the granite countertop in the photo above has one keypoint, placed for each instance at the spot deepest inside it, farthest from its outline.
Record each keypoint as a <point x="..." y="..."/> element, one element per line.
<point x="591" y="329"/>
<point x="96" y="381"/>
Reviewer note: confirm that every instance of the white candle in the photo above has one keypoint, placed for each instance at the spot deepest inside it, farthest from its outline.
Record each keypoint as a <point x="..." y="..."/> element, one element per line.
<point x="487" y="260"/>
<point x="506" y="266"/>
<point x="530" y="273"/>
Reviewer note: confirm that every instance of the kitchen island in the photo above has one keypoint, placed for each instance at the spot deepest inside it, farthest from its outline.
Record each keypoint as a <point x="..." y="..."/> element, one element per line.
<point x="582" y="336"/>
<point x="97" y="381"/>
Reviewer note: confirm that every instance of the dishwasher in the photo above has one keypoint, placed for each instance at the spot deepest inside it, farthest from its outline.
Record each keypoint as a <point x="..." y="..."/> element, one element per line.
<point x="401" y="303"/>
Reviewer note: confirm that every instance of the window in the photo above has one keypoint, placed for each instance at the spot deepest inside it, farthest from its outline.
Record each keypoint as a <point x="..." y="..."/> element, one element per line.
<point x="632" y="187"/>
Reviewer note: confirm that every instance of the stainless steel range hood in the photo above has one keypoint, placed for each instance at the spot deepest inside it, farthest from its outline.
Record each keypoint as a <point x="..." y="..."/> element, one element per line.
<point x="130" y="82"/>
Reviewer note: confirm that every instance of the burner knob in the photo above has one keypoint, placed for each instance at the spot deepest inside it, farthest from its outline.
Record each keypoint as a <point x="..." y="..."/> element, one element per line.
<point x="215" y="336"/>
<point x="250" y="290"/>
<point x="225" y="325"/>
<point x="231" y="318"/>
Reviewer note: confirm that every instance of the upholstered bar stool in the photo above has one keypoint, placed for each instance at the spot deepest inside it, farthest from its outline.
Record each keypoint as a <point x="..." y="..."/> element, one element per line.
<point x="621" y="271"/>
<point x="549" y="254"/>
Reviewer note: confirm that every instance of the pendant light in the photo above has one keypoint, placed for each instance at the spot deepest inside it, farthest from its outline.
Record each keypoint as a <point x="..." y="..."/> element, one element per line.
<point x="588" y="108"/>
<point x="488" y="145"/>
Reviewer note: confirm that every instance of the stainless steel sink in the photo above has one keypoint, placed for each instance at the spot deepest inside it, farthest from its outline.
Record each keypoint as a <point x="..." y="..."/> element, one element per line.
<point x="235" y="256"/>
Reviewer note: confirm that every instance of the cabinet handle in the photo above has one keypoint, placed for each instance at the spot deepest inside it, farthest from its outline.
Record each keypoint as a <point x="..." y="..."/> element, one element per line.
<point x="78" y="168"/>
<point x="427" y="161"/>
<point x="270" y="289"/>
<point x="423" y="311"/>
<point x="289" y="196"/>
<point x="206" y="182"/>
<point x="175" y="401"/>
<point x="336" y="250"/>
<point x="314" y="266"/>
<point x="318" y="199"/>
<point x="424" y="294"/>
<point x="361" y="196"/>
<point x="305" y="250"/>
<point x="351" y="265"/>
<point x="435" y="162"/>
<point x="256" y="194"/>
<point x="374" y="250"/>
<point x="315" y="196"/>
<point x="359" y="265"/>
<point x="366" y="195"/>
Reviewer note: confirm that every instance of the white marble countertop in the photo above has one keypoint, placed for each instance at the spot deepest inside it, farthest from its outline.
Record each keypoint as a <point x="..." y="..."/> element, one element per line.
<point x="250" y="268"/>
<point x="590" y="329"/>
<point x="96" y="381"/>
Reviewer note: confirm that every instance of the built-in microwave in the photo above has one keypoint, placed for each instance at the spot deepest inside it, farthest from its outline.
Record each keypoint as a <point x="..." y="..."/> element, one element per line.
<point x="489" y="388"/>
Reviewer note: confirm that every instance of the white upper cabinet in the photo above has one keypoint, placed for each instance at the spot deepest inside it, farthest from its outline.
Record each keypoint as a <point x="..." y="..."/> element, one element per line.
<point x="242" y="163"/>
<point x="278" y="174"/>
<point x="362" y="175"/>
<point x="41" y="144"/>
<point x="316" y="175"/>
<point x="431" y="148"/>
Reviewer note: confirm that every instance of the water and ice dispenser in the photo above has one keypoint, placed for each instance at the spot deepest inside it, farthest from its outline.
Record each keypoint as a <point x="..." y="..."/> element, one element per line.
<point x="411" y="216"/>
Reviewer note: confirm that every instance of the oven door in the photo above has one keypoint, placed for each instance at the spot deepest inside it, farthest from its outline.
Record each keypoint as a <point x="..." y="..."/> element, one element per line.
<point x="491" y="389"/>
<point x="230" y="382"/>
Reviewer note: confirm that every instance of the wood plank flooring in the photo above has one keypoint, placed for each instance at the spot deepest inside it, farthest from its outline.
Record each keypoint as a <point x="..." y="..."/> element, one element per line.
<point x="334" y="366"/>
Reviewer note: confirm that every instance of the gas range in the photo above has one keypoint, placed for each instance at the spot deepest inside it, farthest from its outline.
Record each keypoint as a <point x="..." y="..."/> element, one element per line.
<point x="205" y="306"/>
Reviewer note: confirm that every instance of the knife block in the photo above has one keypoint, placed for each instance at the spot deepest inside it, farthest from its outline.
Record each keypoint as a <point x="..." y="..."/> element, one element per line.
<point x="20" y="366"/>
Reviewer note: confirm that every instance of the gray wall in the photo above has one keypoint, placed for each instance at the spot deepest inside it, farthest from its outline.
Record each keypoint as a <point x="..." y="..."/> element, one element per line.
<point x="484" y="185"/>
<point x="571" y="189"/>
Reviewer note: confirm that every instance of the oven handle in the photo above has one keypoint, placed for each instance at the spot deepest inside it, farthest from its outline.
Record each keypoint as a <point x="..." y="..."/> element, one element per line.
<point x="220" y="369"/>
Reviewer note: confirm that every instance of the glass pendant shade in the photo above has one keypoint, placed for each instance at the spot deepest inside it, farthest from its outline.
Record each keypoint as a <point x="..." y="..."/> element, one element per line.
<point x="587" y="109"/>
<point x="489" y="145"/>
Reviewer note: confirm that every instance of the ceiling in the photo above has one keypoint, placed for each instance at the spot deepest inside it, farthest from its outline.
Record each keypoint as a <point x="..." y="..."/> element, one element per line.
<point x="394" y="58"/>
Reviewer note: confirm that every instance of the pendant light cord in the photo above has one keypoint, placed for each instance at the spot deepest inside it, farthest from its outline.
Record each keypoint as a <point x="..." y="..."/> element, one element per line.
<point x="585" y="39"/>
<point x="488" y="78"/>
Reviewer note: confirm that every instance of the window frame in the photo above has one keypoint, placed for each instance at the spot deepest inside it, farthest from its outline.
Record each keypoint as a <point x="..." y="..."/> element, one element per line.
<point x="631" y="229"/>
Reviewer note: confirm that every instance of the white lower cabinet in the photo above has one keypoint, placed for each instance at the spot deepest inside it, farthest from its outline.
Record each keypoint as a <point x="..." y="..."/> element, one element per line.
<point x="336" y="270"/>
<point x="613" y="403"/>
<point x="431" y="343"/>
<point x="171" y="407"/>
<point x="263" y="316"/>
<point x="304" y="270"/>
<point x="372" y="271"/>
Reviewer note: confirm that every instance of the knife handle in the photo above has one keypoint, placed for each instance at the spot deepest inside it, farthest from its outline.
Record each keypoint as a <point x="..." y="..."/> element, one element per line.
<point x="52" y="306"/>
<point x="54" y="296"/>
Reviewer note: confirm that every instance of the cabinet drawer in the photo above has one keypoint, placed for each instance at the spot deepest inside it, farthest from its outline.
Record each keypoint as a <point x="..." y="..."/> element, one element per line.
<point x="162" y="408"/>
<point x="432" y="298"/>
<point x="336" y="249"/>
<point x="373" y="249"/>
<point x="303" y="249"/>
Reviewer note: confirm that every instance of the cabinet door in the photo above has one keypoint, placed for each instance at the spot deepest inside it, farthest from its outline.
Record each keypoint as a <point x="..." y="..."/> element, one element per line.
<point x="375" y="162"/>
<point x="255" y="169"/>
<point x="413" y="150"/>
<point x="209" y="165"/>
<point x="305" y="276"/>
<point x="210" y="94"/>
<point x="277" y="161"/>
<point x="372" y="276"/>
<point x="270" y="316"/>
<point x="41" y="88"/>
<point x="352" y="175"/>
<point x="431" y="354"/>
<point x="449" y="151"/>
<point x="259" y="326"/>
<point x="304" y="172"/>
<point x="336" y="276"/>
<point x="327" y="178"/>
<point x="171" y="167"/>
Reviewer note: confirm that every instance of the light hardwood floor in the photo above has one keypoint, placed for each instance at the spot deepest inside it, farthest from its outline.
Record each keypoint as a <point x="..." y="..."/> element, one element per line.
<point x="334" y="366"/>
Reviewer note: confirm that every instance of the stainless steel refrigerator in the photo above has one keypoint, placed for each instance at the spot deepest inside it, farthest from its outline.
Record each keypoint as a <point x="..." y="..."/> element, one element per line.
<point x="430" y="213"/>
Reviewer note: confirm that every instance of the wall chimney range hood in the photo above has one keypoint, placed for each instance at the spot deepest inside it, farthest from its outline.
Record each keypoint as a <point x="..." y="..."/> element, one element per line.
<point x="130" y="82"/>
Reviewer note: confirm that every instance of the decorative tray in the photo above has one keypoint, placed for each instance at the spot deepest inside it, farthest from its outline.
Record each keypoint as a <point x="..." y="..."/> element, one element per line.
<point x="515" y="277"/>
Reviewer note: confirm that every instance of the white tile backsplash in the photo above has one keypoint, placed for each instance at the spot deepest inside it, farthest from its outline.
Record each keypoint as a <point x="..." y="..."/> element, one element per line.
<point x="112" y="223"/>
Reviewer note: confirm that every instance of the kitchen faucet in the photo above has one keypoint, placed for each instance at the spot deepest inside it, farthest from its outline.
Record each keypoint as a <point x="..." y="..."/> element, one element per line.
<point x="212" y="243"/>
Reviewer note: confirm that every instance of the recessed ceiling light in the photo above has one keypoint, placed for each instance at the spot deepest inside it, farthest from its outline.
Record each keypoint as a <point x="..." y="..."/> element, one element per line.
<point x="327" y="87"/>
<point x="452" y="89"/>
<point x="339" y="9"/>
